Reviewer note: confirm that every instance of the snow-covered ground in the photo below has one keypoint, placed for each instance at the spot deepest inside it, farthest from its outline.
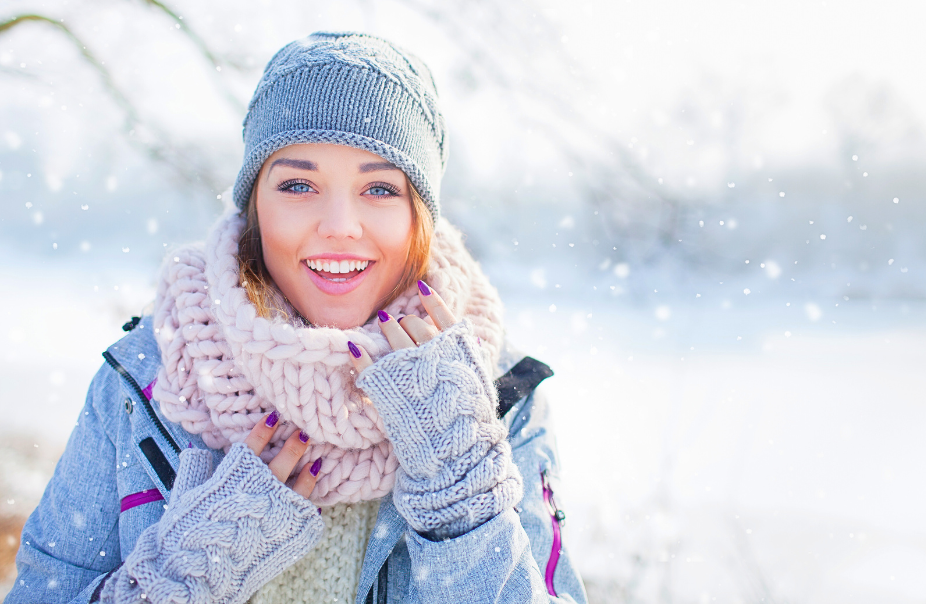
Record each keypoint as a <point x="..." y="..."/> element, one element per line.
<point x="711" y="457"/>
<point x="708" y="455"/>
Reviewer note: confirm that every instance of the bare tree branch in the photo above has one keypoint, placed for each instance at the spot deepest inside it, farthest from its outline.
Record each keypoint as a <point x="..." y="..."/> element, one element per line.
<point x="150" y="139"/>
<point x="204" y="49"/>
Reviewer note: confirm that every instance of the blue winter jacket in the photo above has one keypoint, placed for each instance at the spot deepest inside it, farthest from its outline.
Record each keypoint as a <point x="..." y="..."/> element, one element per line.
<point x="115" y="475"/>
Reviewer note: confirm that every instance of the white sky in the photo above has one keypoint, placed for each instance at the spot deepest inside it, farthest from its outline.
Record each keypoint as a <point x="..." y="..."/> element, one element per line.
<point x="780" y="58"/>
<point x="645" y="53"/>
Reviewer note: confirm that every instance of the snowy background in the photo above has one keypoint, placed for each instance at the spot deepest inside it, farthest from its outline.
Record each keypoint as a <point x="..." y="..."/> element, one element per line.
<point x="708" y="218"/>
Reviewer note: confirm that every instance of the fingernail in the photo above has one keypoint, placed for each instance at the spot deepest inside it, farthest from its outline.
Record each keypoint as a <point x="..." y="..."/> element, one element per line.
<point x="353" y="350"/>
<point x="316" y="466"/>
<point x="272" y="419"/>
<point x="319" y="510"/>
<point x="383" y="316"/>
<point x="303" y="437"/>
<point x="400" y="318"/>
<point x="190" y="445"/>
<point x="423" y="288"/>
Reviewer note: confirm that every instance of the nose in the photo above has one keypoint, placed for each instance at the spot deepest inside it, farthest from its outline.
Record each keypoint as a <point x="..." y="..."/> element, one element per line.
<point x="340" y="218"/>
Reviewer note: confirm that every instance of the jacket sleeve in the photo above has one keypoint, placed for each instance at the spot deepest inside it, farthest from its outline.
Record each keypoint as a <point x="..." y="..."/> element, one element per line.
<point x="71" y="540"/>
<point x="508" y="558"/>
<point x="241" y="517"/>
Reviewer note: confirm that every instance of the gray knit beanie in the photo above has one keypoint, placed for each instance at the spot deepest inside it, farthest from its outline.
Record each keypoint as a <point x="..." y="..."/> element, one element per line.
<point x="348" y="89"/>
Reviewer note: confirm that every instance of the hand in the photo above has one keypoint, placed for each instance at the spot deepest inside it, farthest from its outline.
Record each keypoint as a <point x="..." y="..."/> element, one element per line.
<point x="410" y="331"/>
<point x="285" y="461"/>
<point x="438" y="404"/>
<point x="232" y="529"/>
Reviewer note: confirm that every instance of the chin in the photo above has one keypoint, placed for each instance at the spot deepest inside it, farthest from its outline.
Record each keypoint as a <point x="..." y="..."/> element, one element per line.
<point x="333" y="318"/>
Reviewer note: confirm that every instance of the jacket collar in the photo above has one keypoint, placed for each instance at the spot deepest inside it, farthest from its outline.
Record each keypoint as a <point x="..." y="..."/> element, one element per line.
<point x="138" y="353"/>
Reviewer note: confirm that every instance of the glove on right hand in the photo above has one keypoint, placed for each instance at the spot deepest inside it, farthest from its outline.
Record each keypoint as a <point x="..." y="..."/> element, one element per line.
<point x="221" y="539"/>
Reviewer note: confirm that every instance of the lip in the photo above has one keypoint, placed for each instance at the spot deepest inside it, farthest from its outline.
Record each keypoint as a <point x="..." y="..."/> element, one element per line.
<point x="337" y="288"/>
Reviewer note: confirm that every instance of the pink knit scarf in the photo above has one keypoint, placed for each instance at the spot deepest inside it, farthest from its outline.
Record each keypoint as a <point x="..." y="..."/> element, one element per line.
<point x="224" y="367"/>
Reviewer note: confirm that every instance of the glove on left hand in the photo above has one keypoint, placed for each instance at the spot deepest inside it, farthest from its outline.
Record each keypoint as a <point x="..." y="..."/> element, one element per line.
<point x="438" y="404"/>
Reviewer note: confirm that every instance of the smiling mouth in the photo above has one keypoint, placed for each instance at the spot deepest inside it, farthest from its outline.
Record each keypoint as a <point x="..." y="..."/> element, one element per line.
<point x="338" y="271"/>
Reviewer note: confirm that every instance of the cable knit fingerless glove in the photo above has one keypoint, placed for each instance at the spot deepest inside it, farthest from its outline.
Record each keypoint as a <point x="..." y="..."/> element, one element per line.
<point x="438" y="404"/>
<point x="222" y="537"/>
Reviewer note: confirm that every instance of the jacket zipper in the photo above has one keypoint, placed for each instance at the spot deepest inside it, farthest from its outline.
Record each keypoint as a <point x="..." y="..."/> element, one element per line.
<point x="146" y="403"/>
<point x="557" y="517"/>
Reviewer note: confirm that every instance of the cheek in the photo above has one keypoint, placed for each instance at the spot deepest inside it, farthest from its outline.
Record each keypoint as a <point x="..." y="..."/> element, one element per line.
<point x="280" y="235"/>
<point x="392" y="237"/>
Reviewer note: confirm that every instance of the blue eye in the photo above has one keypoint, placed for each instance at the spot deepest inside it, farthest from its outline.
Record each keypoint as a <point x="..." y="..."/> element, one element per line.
<point x="382" y="190"/>
<point x="294" y="186"/>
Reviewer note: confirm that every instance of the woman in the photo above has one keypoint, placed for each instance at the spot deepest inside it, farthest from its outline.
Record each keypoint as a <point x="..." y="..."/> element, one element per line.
<point x="330" y="352"/>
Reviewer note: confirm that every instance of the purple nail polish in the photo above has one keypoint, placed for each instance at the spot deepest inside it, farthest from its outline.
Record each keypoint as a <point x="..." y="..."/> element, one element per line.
<point x="353" y="350"/>
<point x="383" y="316"/>
<point x="423" y="288"/>
<point x="272" y="419"/>
<point x="303" y="437"/>
<point x="319" y="510"/>
<point x="316" y="466"/>
<point x="190" y="445"/>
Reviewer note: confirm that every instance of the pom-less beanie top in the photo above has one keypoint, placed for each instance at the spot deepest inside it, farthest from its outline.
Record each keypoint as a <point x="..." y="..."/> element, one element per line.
<point x="348" y="89"/>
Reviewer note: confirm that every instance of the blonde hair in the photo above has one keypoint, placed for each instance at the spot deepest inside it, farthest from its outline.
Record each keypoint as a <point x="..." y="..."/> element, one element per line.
<point x="264" y="295"/>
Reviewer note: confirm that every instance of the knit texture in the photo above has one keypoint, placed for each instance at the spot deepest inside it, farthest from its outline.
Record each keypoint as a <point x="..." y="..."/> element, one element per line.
<point x="438" y="403"/>
<point x="223" y="367"/>
<point x="348" y="89"/>
<point x="330" y="573"/>
<point x="222" y="537"/>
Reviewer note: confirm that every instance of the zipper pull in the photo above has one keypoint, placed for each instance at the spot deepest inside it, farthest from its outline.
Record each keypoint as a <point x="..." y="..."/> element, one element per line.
<point x="550" y="501"/>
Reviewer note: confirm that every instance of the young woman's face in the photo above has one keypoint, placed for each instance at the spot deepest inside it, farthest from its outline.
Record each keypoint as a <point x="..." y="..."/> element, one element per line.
<point x="335" y="225"/>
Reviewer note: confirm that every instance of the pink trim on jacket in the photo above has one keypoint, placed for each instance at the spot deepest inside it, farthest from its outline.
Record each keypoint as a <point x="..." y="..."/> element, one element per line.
<point x="133" y="500"/>
<point x="556" y="516"/>
<point x="148" y="389"/>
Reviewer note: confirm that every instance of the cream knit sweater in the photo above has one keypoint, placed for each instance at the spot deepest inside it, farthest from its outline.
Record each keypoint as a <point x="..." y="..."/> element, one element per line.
<point x="330" y="572"/>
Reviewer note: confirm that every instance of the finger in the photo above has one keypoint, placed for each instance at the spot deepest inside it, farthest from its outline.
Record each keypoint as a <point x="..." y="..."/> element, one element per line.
<point x="261" y="434"/>
<point x="307" y="478"/>
<point x="435" y="306"/>
<point x="283" y="463"/>
<point x="359" y="357"/>
<point x="419" y="331"/>
<point x="394" y="333"/>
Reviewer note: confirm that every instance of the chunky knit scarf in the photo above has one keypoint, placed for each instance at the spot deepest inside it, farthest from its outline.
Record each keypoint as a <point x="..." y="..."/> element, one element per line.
<point x="224" y="367"/>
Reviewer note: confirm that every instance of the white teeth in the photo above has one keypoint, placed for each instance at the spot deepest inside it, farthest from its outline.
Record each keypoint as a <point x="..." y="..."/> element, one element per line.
<point x="333" y="266"/>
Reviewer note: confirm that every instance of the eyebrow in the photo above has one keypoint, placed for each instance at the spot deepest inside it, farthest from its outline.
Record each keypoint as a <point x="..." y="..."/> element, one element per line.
<point x="301" y="164"/>
<point x="375" y="166"/>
